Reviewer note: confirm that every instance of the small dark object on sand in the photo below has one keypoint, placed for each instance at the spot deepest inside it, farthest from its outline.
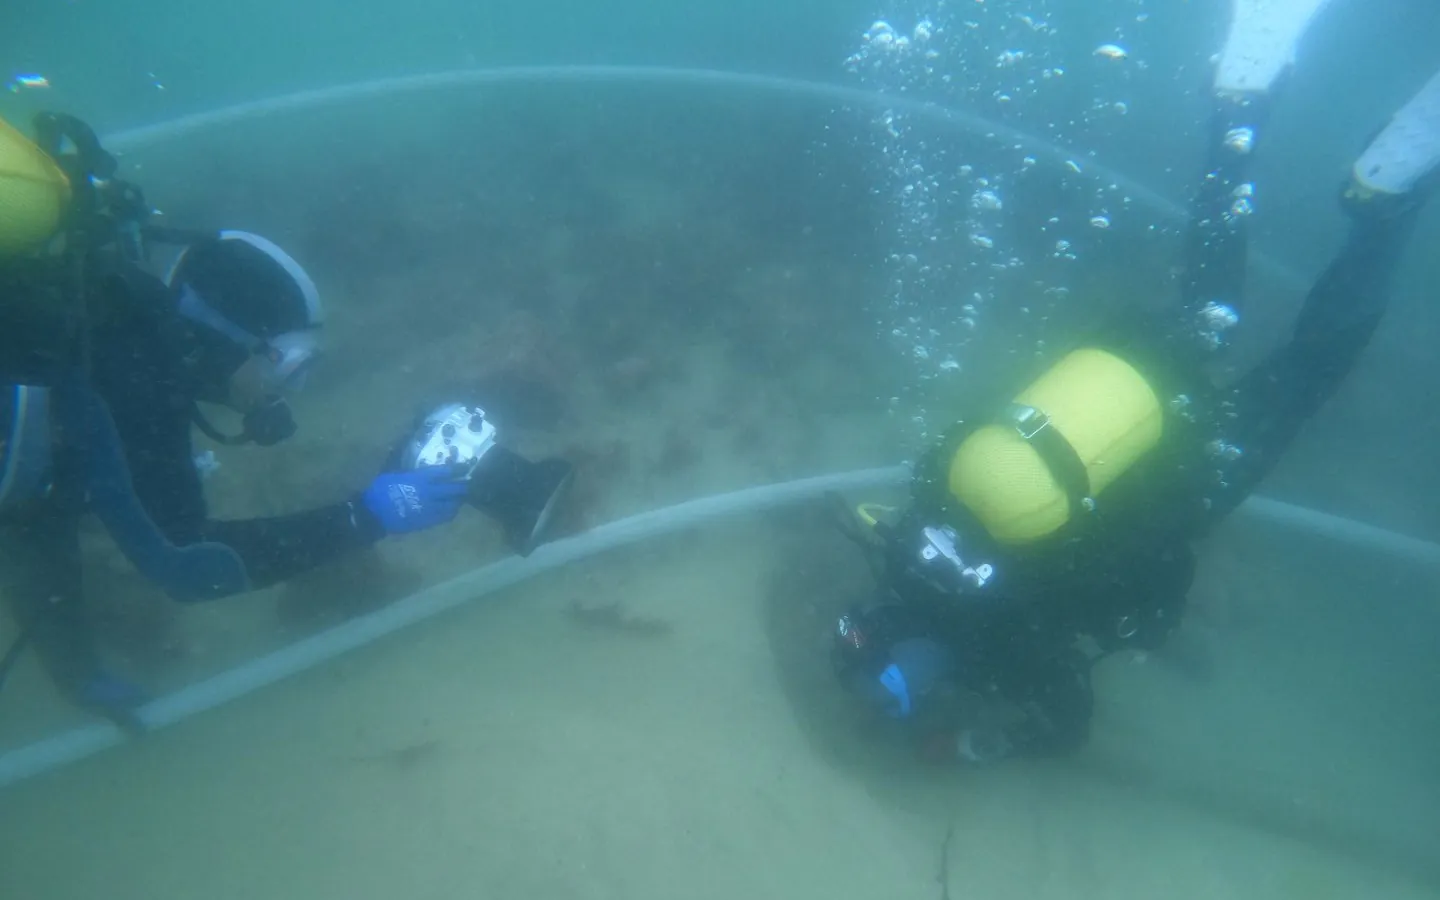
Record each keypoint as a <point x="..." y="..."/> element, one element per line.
<point x="402" y="759"/>
<point x="612" y="617"/>
<point x="943" y="876"/>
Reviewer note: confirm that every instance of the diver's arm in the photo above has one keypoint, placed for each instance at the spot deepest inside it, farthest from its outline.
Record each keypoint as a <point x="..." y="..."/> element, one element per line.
<point x="276" y="548"/>
<point x="203" y="558"/>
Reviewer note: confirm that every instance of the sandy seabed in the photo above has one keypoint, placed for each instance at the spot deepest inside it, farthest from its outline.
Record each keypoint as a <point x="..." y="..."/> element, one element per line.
<point x="509" y="750"/>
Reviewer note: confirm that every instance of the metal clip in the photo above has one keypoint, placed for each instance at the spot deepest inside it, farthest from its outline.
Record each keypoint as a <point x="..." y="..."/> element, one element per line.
<point x="1028" y="420"/>
<point x="1126" y="628"/>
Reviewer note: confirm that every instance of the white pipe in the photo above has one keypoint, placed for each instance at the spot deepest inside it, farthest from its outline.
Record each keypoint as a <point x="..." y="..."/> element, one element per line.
<point x="307" y="653"/>
<point x="136" y="138"/>
<point x="78" y="743"/>
<point x="1345" y="531"/>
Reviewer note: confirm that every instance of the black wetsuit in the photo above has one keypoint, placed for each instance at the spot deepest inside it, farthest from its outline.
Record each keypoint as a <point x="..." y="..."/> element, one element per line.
<point x="142" y="367"/>
<point x="1124" y="584"/>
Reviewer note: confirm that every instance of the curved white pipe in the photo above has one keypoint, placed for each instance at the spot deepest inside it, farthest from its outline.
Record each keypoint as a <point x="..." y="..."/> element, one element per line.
<point x="1345" y="531"/>
<point x="79" y="743"/>
<point x="135" y="138"/>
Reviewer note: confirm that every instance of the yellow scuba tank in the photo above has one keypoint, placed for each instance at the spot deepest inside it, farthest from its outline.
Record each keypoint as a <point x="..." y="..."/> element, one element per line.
<point x="34" y="194"/>
<point x="1101" y="407"/>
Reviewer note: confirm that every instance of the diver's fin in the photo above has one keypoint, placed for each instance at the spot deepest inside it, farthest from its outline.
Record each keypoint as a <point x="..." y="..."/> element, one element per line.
<point x="1261" y="44"/>
<point x="1406" y="151"/>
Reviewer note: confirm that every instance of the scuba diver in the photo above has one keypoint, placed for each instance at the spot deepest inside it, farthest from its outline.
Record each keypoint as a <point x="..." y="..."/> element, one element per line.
<point x="103" y="368"/>
<point x="1059" y="528"/>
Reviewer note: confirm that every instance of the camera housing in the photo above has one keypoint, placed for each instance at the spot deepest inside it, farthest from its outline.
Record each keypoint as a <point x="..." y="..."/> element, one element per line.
<point x="522" y="495"/>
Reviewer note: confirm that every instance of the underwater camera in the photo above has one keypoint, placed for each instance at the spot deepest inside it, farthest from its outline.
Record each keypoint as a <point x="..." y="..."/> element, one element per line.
<point x="521" y="495"/>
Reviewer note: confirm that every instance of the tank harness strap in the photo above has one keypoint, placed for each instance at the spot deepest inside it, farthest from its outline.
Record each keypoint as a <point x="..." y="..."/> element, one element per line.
<point x="1055" y="451"/>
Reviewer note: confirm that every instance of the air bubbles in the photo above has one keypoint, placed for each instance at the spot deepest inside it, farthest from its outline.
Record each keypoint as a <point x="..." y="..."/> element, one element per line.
<point x="980" y="53"/>
<point x="1242" y="204"/>
<point x="882" y="41"/>
<point x="1223" y="450"/>
<point x="988" y="201"/>
<point x="880" y="34"/>
<point x="1215" y="320"/>
<point x="1240" y="141"/>
<point x="1182" y="406"/>
<point x="1219" y="316"/>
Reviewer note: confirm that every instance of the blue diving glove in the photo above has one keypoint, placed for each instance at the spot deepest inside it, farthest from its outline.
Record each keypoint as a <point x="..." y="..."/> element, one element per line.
<point x="916" y="666"/>
<point x="404" y="502"/>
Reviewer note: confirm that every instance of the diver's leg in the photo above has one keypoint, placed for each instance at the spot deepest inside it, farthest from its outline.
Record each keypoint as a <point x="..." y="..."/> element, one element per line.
<point x="1258" y="51"/>
<point x="45" y="593"/>
<point x="1388" y="186"/>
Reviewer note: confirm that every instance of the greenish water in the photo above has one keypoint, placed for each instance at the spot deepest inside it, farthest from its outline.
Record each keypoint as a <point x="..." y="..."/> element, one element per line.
<point x="698" y="278"/>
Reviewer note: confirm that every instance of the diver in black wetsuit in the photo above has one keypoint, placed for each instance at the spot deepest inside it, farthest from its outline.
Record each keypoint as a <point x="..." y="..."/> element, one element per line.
<point x="1059" y="529"/>
<point x="104" y="366"/>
